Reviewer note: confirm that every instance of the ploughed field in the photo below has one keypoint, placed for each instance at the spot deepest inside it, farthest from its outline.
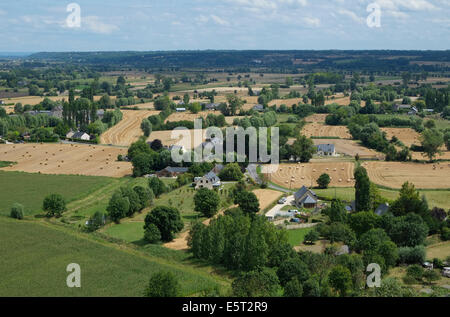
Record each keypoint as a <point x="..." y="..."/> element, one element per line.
<point x="68" y="159"/>
<point x="128" y="130"/>
<point x="306" y="174"/>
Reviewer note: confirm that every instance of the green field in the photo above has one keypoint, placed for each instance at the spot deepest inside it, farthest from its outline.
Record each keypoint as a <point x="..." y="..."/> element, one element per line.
<point x="34" y="257"/>
<point x="297" y="236"/>
<point x="5" y="164"/>
<point x="132" y="229"/>
<point x="31" y="189"/>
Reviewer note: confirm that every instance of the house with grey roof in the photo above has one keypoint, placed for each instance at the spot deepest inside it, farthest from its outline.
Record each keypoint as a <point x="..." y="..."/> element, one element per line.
<point x="397" y="107"/>
<point x="81" y="136"/>
<point x="209" y="181"/>
<point x="382" y="209"/>
<point x="170" y="171"/>
<point x="259" y="108"/>
<point x="326" y="150"/>
<point x="212" y="106"/>
<point x="305" y="198"/>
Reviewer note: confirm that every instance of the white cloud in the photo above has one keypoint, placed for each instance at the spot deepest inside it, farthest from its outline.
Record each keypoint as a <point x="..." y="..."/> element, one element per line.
<point x="312" y="22"/>
<point x="94" y="24"/>
<point x="202" y="19"/>
<point x="352" y="15"/>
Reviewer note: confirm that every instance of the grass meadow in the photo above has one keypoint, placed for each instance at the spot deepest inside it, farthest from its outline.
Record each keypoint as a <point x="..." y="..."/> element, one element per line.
<point x="35" y="257"/>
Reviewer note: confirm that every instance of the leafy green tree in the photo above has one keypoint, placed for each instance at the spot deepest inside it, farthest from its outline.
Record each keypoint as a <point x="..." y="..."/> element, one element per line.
<point x="17" y="211"/>
<point x="259" y="283"/>
<point x="163" y="284"/>
<point x="336" y="212"/>
<point x="362" y="222"/>
<point x="293" y="268"/>
<point x="248" y="202"/>
<point x="256" y="249"/>
<point x="54" y="205"/>
<point x="408" y="201"/>
<point x="431" y="276"/>
<point x="408" y="231"/>
<point x="340" y="279"/>
<point x="152" y="234"/>
<point x="157" y="186"/>
<point x="118" y="207"/>
<point x="431" y="140"/>
<point x="415" y="271"/>
<point x="145" y="195"/>
<point x="95" y="221"/>
<point x="323" y="181"/>
<point x="168" y="221"/>
<point x="146" y="127"/>
<point x="206" y="202"/>
<point x="362" y="189"/>
<point x="311" y="237"/>
<point x="311" y="287"/>
<point x="231" y="172"/>
<point x="447" y="139"/>
<point x="303" y="148"/>
<point x="293" y="288"/>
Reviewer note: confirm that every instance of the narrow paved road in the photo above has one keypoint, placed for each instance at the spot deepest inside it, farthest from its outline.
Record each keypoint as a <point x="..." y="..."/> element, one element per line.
<point x="254" y="175"/>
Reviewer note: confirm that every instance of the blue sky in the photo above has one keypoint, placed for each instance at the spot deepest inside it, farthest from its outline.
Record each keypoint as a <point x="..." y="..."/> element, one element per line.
<point x="32" y="26"/>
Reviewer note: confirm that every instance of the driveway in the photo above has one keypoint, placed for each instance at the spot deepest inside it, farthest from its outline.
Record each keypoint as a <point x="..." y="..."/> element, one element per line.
<point x="289" y="202"/>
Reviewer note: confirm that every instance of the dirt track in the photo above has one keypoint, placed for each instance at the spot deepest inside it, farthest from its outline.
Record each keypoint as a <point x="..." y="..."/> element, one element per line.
<point x="69" y="159"/>
<point x="128" y="130"/>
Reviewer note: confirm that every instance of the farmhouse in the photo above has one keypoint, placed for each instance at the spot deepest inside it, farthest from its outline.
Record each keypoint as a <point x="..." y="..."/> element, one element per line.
<point x="401" y="107"/>
<point x="171" y="171"/>
<point x="80" y="136"/>
<point x="326" y="150"/>
<point x="305" y="198"/>
<point x="209" y="181"/>
<point x="181" y="109"/>
<point x="259" y="108"/>
<point x="382" y="209"/>
<point x="212" y="106"/>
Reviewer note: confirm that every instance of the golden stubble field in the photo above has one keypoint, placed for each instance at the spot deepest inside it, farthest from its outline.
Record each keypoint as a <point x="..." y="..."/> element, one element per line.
<point x="306" y="174"/>
<point x="407" y="135"/>
<point x="350" y="147"/>
<point x="394" y="174"/>
<point x="316" y="129"/>
<point x="180" y="116"/>
<point x="69" y="159"/>
<point x="167" y="138"/>
<point x="128" y="130"/>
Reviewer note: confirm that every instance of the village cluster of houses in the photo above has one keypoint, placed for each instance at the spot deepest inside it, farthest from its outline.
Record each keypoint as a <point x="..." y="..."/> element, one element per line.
<point x="412" y="110"/>
<point x="210" y="180"/>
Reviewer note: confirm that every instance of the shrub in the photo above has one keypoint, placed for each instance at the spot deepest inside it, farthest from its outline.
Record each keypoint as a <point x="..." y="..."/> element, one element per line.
<point x="163" y="284"/>
<point x="408" y="255"/>
<point x="17" y="211"/>
<point x="54" y="205"/>
<point x="323" y="181"/>
<point x="152" y="234"/>
<point x="415" y="271"/>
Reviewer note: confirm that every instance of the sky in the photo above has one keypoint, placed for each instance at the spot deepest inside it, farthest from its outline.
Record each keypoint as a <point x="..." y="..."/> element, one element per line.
<point x="118" y="25"/>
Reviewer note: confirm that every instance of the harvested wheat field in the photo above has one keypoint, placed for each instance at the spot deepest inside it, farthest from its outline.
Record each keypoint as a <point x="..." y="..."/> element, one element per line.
<point x="288" y="102"/>
<point x="394" y="174"/>
<point x="317" y="117"/>
<point x="305" y="174"/>
<point x="342" y="101"/>
<point x="145" y="106"/>
<point x="69" y="159"/>
<point x="445" y="155"/>
<point x="229" y="120"/>
<point x="128" y="130"/>
<point x="166" y="138"/>
<point x="266" y="197"/>
<point x="321" y="130"/>
<point x="350" y="147"/>
<point x="180" y="116"/>
<point x="407" y="135"/>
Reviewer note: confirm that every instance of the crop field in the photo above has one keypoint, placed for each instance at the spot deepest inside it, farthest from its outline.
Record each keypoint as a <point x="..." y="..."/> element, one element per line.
<point x="37" y="266"/>
<point x="305" y="174"/>
<point x="342" y="101"/>
<point x="180" y="116"/>
<point x="445" y="155"/>
<point x="128" y="130"/>
<point x="394" y="174"/>
<point x="407" y="135"/>
<point x="167" y="138"/>
<point x="31" y="189"/>
<point x="288" y="102"/>
<point x="266" y="197"/>
<point x="321" y="130"/>
<point x="317" y="117"/>
<point x="349" y="147"/>
<point x="68" y="159"/>
<point x="439" y="250"/>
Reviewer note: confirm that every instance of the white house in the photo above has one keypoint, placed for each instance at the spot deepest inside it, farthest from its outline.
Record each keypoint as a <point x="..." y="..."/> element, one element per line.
<point x="181" y="109"/>
<point x="81" y="136"/>
<point x="210" y="181"/>
<point x="326" y="150"/>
